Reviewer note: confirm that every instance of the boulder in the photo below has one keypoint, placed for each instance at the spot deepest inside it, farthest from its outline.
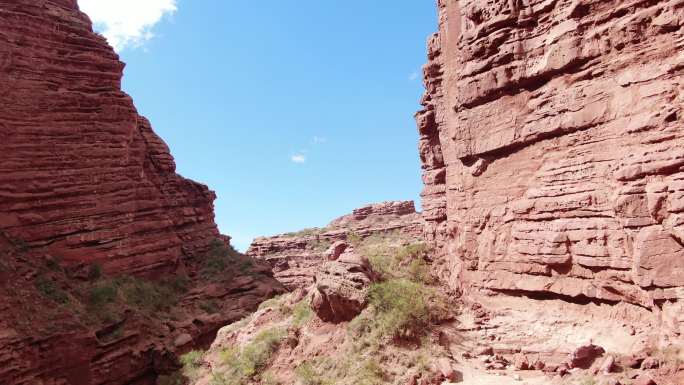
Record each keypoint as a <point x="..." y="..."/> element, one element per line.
<point x="336" y="250"/>
<point x="584" y="356"/>
<point x="340" y="288"/>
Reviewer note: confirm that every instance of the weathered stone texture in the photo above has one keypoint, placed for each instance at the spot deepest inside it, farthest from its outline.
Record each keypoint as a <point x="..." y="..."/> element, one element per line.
<point x="296" y="257"/>
<point x="83" y="175"/>
<point x="551" y="141"/>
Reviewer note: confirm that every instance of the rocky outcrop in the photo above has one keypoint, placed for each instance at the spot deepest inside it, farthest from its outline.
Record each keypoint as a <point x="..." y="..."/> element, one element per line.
<point x="92" y="212"/>
<point x="83" y="175"/>
<point x="341" y="286"/>
<point x="551" y="141"/>
<point x="58" y="328"/>
<point x="296" y="256"/>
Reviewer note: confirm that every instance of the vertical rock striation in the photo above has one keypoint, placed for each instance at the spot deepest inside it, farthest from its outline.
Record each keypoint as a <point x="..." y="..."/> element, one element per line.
<point x="551" y="142"/>
<point x="83" y="175"/>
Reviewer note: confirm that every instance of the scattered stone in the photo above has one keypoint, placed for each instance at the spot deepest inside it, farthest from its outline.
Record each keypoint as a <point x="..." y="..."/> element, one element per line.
<point x="644" y="380"/>
<point x="445" y="368"/>
<point x="485" y="351"/>
<point x="584" y="356"/>
<point x="520" y="362"/>
<point x="608" y="365"/>
<point x="182" y="340"/>
<point x="650" y="363"/>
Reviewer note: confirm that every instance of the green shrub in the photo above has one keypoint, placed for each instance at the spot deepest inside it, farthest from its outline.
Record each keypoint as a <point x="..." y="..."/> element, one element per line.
<point x="248" y="362"/>
<point x="401" y="307"/>
<point x="304" y="233"/>
<point x="51" y="290"/>
<point x="354" y="239"/>
<point x="308" y="374"/>
<point x="147" y="296"/>
<point x="210" y="306"/>
<point x="273" y="303"/>
<point x="301" y="313"/>
<point x="222" y="260"/>
<point x="95" y="272"/>
<point x="370" y="373"/>
<point x="192" y="363"/>
<point x="102" y="294"/>
<point x="400" y="262"/>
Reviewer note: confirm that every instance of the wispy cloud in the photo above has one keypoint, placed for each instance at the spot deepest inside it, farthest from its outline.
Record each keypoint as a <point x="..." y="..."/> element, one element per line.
<point x="298" y="158"/>
<point x="127" y="23"/>
<point x="319" y="140"/>
<point x="414" y="75"/>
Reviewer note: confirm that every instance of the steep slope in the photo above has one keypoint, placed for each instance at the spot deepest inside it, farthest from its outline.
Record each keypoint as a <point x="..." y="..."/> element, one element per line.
<point x="83" y="175"/>
<point x="551" y="141"/>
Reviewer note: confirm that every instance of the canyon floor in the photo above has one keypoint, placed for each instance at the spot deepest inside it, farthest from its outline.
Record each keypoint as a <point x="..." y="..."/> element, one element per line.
<point x="367" y="309"/>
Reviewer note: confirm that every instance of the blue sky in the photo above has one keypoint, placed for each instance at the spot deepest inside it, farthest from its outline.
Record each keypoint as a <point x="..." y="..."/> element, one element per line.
<point x="293" y="112"/>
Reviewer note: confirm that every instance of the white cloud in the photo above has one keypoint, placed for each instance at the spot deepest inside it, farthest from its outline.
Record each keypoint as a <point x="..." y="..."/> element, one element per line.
<point x="319" y="139"/>
<point x="298" y="158"/>
<point x="414" y="75"/>
<point x="127" y="22"/>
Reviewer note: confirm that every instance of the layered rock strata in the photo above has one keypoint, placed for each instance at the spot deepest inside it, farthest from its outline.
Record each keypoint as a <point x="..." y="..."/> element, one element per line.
<point x="296" y="256"/>
<point x="92" y="210"/>
<point x="83" y="175"/>
<point x="551" y="142"/>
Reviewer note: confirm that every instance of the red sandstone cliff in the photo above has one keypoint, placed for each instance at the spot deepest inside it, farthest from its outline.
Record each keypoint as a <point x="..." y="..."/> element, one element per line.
<point x="83" y="175"/>
<point x="551" y="142"/>
<point x="85" y="186"/>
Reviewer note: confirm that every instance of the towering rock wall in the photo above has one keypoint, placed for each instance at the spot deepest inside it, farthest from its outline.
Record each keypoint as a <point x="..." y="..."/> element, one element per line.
<point x="82" y="175"/>
<point x="85" y="182"/>
<point x="551" y="141"/>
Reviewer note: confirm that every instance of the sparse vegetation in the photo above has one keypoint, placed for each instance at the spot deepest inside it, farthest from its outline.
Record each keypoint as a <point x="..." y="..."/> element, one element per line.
<point x="301" y="313"/>
<point x="308" y="374"/>
<point x="304" y="233"/>
<point x="105" y="297"/>
<point x="277" y="302"/>
<point x="409" y="261"/>
<point x="51" y="290"/>
<point x="401" y="308"/>
<point x="222" y="261"/>
<point x="192" y="363"/>
<point x="249" y="361"/>
<point x="209" y="306"/>
<point x="321" y="245"/>
<point x="95" y="272"/>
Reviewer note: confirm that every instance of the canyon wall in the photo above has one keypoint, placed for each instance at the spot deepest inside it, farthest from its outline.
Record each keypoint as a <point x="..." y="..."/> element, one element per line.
<point x="552" y="146"/>
<point x="110" y="263"/>
<point x="83" y="175"/>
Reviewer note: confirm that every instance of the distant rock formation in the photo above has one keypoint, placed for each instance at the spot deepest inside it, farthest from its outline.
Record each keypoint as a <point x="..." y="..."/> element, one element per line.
<point x="552" y="146"/>
<point x="295" y="256"/>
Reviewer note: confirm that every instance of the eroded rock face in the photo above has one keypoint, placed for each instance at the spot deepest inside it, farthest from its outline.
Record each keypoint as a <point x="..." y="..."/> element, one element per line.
<point x="85" y="182"/>
<point x="551" y="142"/>
<point x="295" y="257"/>
<point x="83" y="175"/>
